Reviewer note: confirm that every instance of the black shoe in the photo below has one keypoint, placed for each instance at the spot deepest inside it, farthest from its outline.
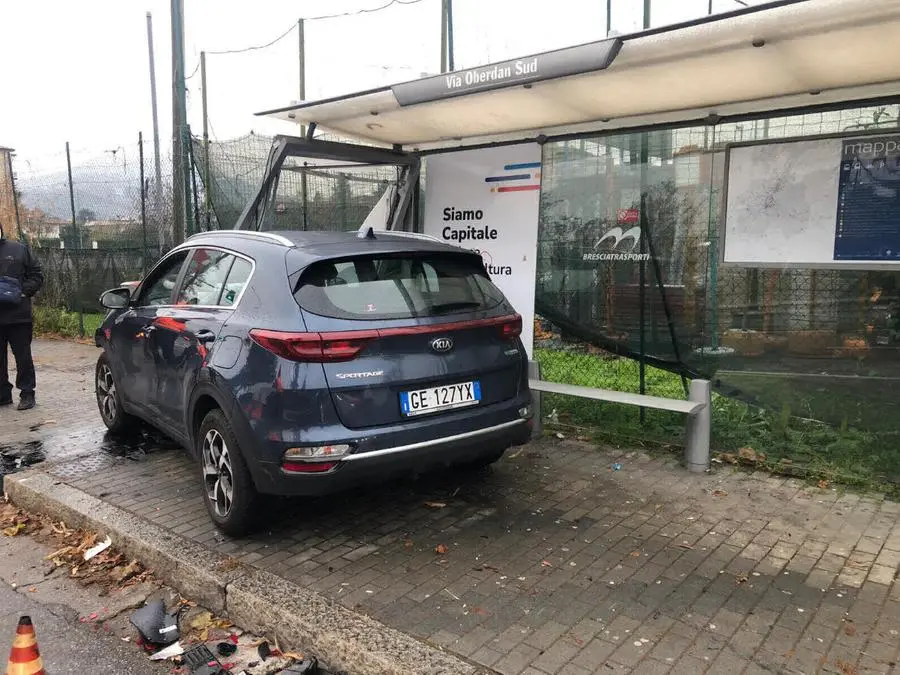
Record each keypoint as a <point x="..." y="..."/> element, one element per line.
<point x="26" y="402"/>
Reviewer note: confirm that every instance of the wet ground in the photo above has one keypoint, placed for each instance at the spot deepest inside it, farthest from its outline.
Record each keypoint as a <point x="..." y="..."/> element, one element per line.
<point x="551" y="561"/>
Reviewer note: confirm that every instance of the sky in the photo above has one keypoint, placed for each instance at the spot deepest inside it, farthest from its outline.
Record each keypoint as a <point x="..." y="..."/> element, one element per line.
<point x="78" y="71"/>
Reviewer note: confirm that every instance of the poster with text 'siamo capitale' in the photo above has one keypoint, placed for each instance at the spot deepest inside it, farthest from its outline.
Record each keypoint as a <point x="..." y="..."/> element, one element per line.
<point x="488" y="200"/>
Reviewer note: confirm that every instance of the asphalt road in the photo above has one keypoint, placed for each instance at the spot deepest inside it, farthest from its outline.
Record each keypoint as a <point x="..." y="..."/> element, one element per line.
<point x="67" y="646"/>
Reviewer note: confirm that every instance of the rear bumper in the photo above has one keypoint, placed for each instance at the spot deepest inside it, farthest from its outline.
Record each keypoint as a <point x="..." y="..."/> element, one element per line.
<point x="424" y="447"/>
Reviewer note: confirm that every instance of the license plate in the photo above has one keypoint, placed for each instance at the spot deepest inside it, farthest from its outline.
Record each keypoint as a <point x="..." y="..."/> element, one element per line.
<point x="435" y="399"/>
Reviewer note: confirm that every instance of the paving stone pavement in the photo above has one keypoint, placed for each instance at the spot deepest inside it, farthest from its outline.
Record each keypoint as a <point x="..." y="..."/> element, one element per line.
<point x="555" y="563"/>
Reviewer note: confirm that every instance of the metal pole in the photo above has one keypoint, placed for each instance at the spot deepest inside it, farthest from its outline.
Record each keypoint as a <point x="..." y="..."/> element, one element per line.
<point x="156" y="163"/>
<point x="143" y="205"/>
<point x="534" y="373"/>
<point x="304" y="187"/>
<point x="187" y="150"/>
<point x="15" y="197"/>
<point x="712" y="234"/>
<point x="444" y="12"/>
<point x="642" y="290"/>
<point x="608" y="17"/>
<point x="206" y="187"/>
<point x="710" y="7"/>
<point x="77" y="237"/>
<point x="696" y="450"/>
<point x="646" y="14"/>
<point x="179" y="115"/>
<point x="450" y="65"/>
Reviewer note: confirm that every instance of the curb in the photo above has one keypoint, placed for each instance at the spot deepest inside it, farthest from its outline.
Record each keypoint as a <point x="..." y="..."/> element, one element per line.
<point x="257" y="601"/>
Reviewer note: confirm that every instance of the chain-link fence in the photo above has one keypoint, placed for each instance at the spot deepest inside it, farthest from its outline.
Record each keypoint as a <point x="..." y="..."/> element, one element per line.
<point x="804" y="361"/>
<point x="103" y="221"/>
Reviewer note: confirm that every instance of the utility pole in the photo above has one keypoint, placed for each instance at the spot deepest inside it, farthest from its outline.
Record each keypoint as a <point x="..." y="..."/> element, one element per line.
<point x="156" y="163"/>
<point x="608" y="17"/>
<point x="450" y="65"/>
<point x="15" y="197"/>
<point x="445" y="11"/>
<point x="206" y="186"/>
<point x="304" y="187"/>
<point x="179" y="119"/>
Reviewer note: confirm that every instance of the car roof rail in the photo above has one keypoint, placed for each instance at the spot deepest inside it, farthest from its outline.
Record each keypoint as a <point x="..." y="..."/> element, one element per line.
<point x="416" y="235"/>
<point x="368" y="232"/>
<point x="249" y="234"/>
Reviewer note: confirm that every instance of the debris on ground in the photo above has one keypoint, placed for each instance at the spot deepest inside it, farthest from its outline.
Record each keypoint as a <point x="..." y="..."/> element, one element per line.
<point x="441" y="549"/>
<point x="157" y="627"/>
<point x="436" y="505"/>
<point x="616" y="467"/>
<point x="169" y="652"/>
<point x="93" y="551"/>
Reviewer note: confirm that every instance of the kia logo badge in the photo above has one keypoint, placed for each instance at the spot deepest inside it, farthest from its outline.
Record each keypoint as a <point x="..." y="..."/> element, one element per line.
<point x="442" y="345"/>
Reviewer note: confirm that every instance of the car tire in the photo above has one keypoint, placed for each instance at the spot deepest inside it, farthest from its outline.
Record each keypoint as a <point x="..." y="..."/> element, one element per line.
<point x="109" y="401"/>
<point x="228" y="490"/>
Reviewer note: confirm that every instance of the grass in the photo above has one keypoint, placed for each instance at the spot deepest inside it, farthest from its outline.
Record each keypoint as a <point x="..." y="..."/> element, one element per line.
<point x="789" y="432"/>
<point x="63" y="323"/>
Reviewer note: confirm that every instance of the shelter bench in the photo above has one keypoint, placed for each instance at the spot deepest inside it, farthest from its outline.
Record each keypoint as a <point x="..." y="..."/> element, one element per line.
<point x="698" y="408"/>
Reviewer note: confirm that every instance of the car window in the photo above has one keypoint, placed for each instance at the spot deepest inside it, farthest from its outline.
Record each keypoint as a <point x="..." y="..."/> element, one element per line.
<point x="162" y="282"/>
<point x="204" y="277"/>
<point x="237" y="279"/>
<point x="395" y="287"/>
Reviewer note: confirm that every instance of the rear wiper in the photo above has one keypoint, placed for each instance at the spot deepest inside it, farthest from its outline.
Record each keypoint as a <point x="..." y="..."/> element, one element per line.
<point x="450" y="306"/>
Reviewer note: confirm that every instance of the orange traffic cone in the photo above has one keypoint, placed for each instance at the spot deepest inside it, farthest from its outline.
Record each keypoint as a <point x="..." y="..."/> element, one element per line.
<point x="24" y="657"/>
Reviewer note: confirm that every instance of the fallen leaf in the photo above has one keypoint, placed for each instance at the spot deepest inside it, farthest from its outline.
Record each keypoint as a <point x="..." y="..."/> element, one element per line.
<point x="635" y="554"/>
<point x="435" y="505"/>
<point x="748" y="455"/>
<point x="441" y="549"/>
<point x="14" y="530"/>
<point x="719" y="493"/>
<point x="124" y="572"/>
<point x="741" y="578"/>
<point x="480" y="611"/>
<point x="850" y="630"/>
<point x="293" y="655"/>
<point x="407" y="543"/>
<point x="845" y="668"/>
<point x="823" y="484"/>
<point x="32" y="589"/>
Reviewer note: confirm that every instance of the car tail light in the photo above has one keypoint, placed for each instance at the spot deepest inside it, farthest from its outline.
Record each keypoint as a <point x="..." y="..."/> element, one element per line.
<point x="313" y="347"/>
<point x="308" y="467"/>
<point x="511" y="328"/>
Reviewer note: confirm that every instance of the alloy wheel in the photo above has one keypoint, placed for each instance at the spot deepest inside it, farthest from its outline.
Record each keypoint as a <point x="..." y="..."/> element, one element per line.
<point x="106" y="393"/>
<point x="218" y="478"/>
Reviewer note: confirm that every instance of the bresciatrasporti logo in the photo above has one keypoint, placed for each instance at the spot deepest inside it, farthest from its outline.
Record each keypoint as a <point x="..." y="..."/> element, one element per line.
<point x="620" y="240"/>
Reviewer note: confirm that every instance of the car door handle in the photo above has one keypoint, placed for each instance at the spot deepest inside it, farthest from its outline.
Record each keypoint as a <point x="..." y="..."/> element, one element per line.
<point x="205" y="336"/>
<point x="149" y="328"/>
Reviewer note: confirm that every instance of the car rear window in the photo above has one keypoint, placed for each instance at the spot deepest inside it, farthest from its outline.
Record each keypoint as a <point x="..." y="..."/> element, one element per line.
<point x="396" y="287"/>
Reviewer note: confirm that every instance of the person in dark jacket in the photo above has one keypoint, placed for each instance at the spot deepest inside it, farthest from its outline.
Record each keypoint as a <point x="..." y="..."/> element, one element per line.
<point x="20" y="279"/>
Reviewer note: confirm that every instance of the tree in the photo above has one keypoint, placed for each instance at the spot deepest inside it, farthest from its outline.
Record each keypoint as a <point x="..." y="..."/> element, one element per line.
<point x="85" y="215"/>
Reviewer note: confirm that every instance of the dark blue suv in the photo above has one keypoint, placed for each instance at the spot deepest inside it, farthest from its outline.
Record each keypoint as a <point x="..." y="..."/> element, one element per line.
<point x="301" y="363"/>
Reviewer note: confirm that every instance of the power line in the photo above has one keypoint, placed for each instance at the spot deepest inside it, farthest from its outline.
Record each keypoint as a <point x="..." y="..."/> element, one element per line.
<point x="364" y="11"/>
<point x="255" y="47"/>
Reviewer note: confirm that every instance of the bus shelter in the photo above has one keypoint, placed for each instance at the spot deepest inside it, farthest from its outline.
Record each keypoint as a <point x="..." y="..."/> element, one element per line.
<point x="616" y="188"/>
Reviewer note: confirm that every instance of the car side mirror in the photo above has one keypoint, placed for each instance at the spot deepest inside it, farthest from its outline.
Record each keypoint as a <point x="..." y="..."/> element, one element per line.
<point x="117" y="298"/>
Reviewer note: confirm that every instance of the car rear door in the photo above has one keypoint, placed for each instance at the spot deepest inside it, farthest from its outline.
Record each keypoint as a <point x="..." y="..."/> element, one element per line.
<point x="211" y="286"/>
<point x="409" y="335"/>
